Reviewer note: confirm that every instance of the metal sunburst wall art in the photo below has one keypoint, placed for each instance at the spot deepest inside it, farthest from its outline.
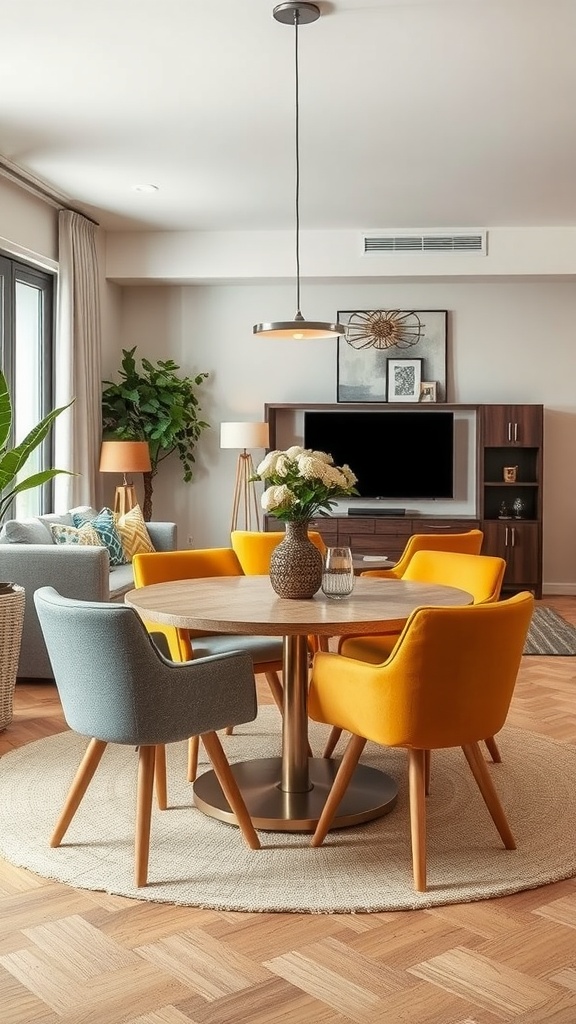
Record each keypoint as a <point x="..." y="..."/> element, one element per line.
<point x="382" y="329"/>
<point x="379" y="344"/>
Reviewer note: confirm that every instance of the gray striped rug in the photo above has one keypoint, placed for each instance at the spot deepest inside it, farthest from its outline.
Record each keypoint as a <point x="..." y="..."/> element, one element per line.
<point x="549" y="633"/>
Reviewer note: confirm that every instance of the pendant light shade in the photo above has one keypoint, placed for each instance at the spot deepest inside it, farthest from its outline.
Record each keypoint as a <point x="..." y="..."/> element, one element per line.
<point x="293" y="13"/>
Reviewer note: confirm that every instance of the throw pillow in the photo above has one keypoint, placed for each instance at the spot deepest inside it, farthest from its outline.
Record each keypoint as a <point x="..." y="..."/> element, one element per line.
<point x="85" y="535"/>
<point x="133" y="533"/>
<point x="105" y="527"/>
<point x="25" y="531"/>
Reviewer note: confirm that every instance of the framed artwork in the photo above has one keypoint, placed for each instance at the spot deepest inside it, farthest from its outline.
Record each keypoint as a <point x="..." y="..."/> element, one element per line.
<point x="373" y="337"/>
<point x="404" y="380"/>
<point x="427" y="390"/>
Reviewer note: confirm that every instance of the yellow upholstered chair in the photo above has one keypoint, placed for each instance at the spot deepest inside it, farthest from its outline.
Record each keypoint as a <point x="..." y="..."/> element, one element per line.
<point x="164" y="566"/>
<point x="468" y="543"/>
<point x="448" y="683"/>
<point x="254" y="549"/>
<point x="479" y="575"/>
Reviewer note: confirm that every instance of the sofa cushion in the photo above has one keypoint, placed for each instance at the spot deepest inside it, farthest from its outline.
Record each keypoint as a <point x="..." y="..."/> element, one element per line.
<point x="133" y="533"/>
<point x="121" y="581"/>
<point x="105" y="526"/>
<point x="63" y="534"/>
<point x="25" y="531"/>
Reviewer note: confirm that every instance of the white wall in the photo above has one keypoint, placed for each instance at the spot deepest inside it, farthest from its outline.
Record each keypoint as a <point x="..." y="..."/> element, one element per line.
<point x="508" y="342"/>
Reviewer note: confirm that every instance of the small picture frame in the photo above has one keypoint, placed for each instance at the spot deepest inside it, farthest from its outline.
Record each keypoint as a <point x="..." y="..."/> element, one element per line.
<point x="427" y="390"/>
<point x="403" y="379"/>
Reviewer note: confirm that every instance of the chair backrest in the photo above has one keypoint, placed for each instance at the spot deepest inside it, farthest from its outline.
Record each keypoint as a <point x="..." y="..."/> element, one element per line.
<point x="448" y="682"/>
<point x="468" y="543"/>
<point x="254" y="549"/>
<point x="195" y="563"/>
<point x="479" y="575"/>
<point x="115" y="686"/>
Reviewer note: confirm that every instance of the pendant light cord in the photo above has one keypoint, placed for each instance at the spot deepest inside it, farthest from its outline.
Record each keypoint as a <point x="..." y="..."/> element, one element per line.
<point x="297" y="124"/>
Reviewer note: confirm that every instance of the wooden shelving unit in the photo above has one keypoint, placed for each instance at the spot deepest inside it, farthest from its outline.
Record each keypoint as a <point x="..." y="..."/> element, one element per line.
<point x="506" y="435"/>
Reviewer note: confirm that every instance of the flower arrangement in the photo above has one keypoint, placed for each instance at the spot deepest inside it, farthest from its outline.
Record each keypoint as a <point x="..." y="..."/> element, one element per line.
<point x="302" y="483"/>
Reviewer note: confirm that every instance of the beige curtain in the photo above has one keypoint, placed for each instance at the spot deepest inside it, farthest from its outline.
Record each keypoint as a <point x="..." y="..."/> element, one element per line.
<point x="78" y="432"/>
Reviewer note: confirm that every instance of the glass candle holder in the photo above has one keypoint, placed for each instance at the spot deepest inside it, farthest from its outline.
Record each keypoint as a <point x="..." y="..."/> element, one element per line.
<point x="338" y="573"/>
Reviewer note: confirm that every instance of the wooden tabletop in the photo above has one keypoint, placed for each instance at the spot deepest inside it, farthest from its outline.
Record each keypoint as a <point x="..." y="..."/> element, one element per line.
<point x="249" y="605"/>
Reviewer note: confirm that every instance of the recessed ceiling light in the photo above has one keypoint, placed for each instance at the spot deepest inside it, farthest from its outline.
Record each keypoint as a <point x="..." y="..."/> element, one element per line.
<point x="145" y="188"/>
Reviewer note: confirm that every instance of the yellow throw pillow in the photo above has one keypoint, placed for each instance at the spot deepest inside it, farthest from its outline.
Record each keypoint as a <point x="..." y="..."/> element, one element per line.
<point x="133" y="533"/>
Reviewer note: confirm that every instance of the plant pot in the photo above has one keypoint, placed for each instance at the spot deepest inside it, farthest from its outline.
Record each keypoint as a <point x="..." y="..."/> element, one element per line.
<point x="296" y="564"/>
<point x="12" y="602"/>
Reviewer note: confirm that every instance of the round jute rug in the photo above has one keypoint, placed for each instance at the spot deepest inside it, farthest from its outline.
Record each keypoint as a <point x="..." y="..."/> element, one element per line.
<point x="198" y="861"/>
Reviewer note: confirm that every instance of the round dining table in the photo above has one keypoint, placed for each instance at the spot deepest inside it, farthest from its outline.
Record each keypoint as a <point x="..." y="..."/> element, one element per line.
<point x="287" y="793"/>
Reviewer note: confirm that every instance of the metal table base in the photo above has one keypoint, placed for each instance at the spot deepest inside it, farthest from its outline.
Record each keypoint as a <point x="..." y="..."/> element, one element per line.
<point x="370" y="794"/>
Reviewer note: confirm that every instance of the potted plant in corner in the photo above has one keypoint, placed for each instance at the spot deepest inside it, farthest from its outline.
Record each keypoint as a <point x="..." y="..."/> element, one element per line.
<point x="12" y="597"/>
<point x="154" y="404"/>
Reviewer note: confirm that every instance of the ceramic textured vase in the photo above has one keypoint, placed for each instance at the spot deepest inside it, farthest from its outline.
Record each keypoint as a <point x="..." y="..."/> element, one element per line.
<point x="296" y="564"/>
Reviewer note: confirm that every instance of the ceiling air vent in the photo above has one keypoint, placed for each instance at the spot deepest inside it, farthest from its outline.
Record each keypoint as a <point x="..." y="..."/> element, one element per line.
<point x="473" y="242"/>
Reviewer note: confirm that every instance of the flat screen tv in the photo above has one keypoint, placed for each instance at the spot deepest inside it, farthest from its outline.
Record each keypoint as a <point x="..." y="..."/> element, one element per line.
<point x="394" y="454"/>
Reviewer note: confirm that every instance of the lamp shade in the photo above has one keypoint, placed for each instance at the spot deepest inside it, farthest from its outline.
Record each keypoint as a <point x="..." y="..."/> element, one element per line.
<point x="244" y="435"/>
<point x="125" y="457"/>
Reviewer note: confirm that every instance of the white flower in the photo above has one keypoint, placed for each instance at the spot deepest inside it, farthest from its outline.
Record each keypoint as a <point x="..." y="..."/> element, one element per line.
<point x="302" y="483"/>
<point x="351" y="478"/>
<point x="267" y="467"/>
<point x="277" y="497"/>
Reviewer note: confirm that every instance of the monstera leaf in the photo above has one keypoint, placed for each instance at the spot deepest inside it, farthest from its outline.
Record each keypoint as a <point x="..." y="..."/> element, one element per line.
<point x="12" y="460"/>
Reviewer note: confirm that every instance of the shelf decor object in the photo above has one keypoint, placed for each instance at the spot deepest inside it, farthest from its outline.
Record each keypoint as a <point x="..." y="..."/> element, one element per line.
<point x="297" y="14"/>
<point x="374" y="336"/>
<point x="244" y="436"/>
<point x="404" y="377"/>
<point x="125" y="457"/>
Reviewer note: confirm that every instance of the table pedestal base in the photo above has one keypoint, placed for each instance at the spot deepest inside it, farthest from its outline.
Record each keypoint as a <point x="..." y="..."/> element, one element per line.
<point x="370" y="794"/>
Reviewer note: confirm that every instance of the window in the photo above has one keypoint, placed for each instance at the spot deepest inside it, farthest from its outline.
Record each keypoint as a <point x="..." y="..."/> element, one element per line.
<point x="26" y="333"/>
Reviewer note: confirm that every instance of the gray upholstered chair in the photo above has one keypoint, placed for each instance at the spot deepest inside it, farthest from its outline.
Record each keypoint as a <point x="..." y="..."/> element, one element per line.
<point x="117" y="687"/>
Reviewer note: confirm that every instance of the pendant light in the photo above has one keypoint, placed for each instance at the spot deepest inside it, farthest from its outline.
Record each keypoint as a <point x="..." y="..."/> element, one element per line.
<point x="296" y="14"/>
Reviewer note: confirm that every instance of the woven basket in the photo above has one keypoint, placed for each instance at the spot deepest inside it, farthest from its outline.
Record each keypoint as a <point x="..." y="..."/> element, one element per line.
<point x="12" y="602"/>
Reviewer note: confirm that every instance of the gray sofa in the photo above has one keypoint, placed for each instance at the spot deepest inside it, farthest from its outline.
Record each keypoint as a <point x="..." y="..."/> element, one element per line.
<point x="29" y="556"/>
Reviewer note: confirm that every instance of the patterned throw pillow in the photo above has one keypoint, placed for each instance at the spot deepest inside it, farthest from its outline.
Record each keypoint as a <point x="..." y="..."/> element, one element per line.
<point x="133" y="533"/>
<point x="105" y="527"/>
<point x="85" y="535"/>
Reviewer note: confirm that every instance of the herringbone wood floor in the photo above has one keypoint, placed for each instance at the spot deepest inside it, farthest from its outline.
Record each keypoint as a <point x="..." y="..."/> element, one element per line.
<point x="74" y="957"/>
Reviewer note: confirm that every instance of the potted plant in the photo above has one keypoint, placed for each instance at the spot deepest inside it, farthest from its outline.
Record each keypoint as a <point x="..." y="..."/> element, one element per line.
<point x="12" y="461"/>
<point x="154" y="404"/>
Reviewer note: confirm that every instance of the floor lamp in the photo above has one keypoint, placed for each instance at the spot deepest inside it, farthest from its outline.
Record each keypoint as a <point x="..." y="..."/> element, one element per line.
<point x="125" y="457"/>
<point x="244" y="436"/>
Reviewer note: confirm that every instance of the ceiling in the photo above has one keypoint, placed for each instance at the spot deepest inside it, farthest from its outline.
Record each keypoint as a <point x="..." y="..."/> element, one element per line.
<point x="413" y="113"/>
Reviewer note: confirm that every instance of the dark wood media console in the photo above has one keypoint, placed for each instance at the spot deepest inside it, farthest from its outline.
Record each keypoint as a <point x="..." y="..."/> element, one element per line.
<point x="506" y="435"/>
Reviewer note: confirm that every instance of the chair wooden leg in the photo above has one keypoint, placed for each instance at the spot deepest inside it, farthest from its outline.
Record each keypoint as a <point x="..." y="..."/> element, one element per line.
<point x="486" y="786"/>
<point x="229" y="730"/>
<point x="493" y="750"/>
<point x="82" y="779"/>
<point x="160" y="776"/>
<point x="230" y="788"/>
<point x="335" y="734"/>
<point x="417" y="785"/>
<point x="193" y="748"/>
<point x="146" y="760"/>
<point x="276" y="689"/>
<point x="427" y="771"/>
<point x="351" y="757"/>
